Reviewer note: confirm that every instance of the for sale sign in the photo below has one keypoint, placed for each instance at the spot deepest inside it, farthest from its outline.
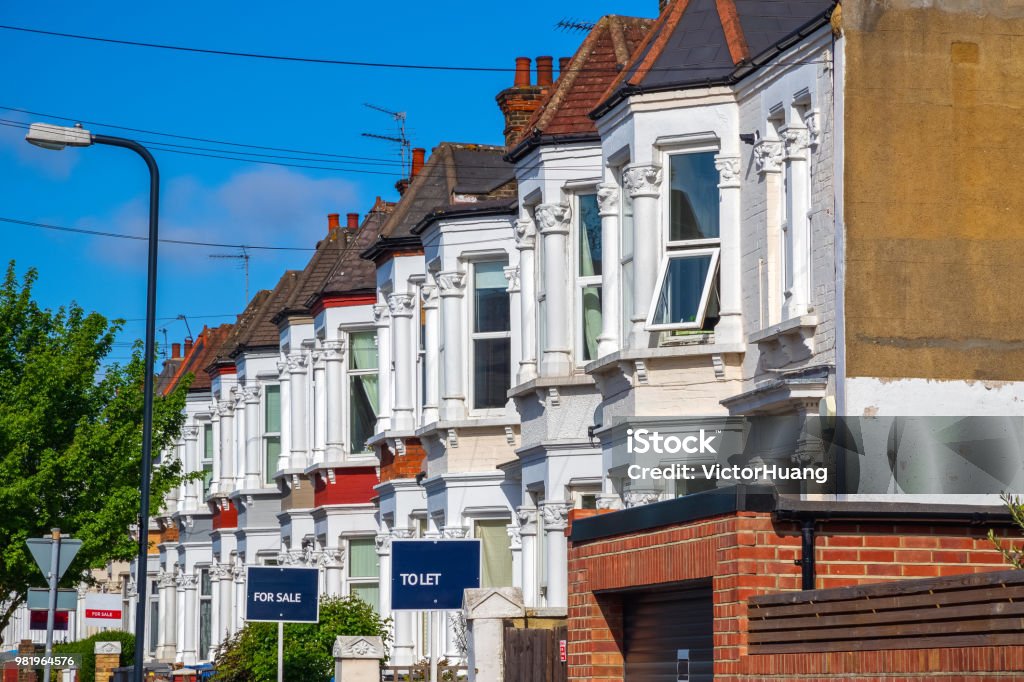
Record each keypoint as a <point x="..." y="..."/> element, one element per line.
<point x="103" y="610"/>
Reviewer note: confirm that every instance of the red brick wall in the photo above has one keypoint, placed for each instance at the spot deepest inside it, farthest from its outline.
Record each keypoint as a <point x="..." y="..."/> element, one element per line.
<point x="747" y="554"/>
<point x="352" y="485"/>
<point x="402" y="466"/>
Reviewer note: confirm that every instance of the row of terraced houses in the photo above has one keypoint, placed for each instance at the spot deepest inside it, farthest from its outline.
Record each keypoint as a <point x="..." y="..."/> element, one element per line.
<point x="795" y="207"/>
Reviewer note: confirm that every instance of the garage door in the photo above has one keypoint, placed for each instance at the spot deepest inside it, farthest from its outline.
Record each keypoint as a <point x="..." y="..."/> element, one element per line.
<point x="663" y="627"/>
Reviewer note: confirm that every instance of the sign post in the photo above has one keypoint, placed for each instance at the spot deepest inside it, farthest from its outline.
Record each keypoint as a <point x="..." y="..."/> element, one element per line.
<point x="282" y="595"/>
<point x="431" y="575"/>
<point x="53" y="563"/>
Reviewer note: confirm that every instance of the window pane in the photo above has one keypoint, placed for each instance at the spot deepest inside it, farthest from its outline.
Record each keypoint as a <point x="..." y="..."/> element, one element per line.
<point x="205" y="584"/>
<point x="591" y="318"/>
<point x="273" y="450"/>
<point x="490" y="298"/>
<point x="627" y="224"/>
<point x="492" y="372"/>
<point x="627" y="301"/>
<point x="693" y="210"/>
<point x="679" y="299"/>
<point x="208" y="441"/>
<point x="273" y="409"/>
<point x="362" y="410"/>
<point x="589" y="236"/>
<point x="362" y="348"/>
<point x="368" y="592"/>
<point x="207" y="478"/>
<point x="496" y="555"/>
<point x="205" y="628"/>
<point x="154" y="625"/>
<point x="362" y="558"/>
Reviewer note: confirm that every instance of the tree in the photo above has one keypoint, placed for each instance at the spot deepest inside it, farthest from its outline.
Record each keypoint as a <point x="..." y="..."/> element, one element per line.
<point x="70" y="438"/>
<point x="1013" y="555"/>
<point x="251" y="654"/>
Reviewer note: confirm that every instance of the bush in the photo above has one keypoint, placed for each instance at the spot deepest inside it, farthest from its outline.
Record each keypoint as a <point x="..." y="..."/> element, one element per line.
<point x="251" y="654"/>
<point x="87" y="648"/>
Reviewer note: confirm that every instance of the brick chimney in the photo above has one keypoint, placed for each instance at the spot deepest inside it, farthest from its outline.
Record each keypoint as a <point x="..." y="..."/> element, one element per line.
<point x="175" y="351"/>
<point x="188" y="346"/>
<point x="520" y="101"/>
<point x="353" y="221"/>
<point x="418" y="158"/>
<point x="333" y="221"/>
<point x="545" y="74"/>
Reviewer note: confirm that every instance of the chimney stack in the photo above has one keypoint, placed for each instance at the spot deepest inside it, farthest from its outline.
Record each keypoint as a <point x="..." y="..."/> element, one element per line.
<point x="545" y="74"/>
<point x="418" y="158"/>
<point x="520" y="101"/>
<point x="563" y="64"/>
<point x="353" y="221"/>
<point x="333" y="221"/>
<point x="188" y="346"/>
<point x="175" y="351"/>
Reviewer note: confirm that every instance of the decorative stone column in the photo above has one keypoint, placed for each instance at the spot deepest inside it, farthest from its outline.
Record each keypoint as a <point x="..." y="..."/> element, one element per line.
<point x="796" y="293"/>
<point x="284" y="378"/>
<point x="319" y="406"/>
<point x="768" y="164"/>
<point x="432" y="346"/>
<point x="239" y="449"/>
<point x="215" y="423"/>
<point x="252" y="436"/>
<point x="528" y="555"/>
<point x="403" y="416"/>
<point x="166" y="582"/>
<point x="238" y="608"/>
<point x="179" y="617"/>
<point x="453" y="396"/>
<point x="193" y="489"/>
<point x="403" y="646"/>
<point x="643" y="182"/>
<point x="730" y="324"/>
<point x="297" y="363"/>
<point x="526" y="240"/>
<point x="556" y="518"/>
<point x="486" y="611"/>
<point x="556" y="356"/>
<point x="334" y="354"/>
<point x="358" y="659"/>
<point x="332" y="561"/>
<point x="608" y="207"/>
<point x="382" y="320"/>
<point x="515" y="544"/>
<point x="191" y="634"/>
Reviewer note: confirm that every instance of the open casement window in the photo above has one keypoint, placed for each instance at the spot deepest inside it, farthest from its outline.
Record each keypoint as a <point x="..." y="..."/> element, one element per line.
<point x="364" y="571"/>
<point x="490" y="336"/>
<point x="362" y="383"/>
<point x="207" y="458"/>
<point x="686" y="293"/>
<point x="588" y="276"/>
<point x="271" y="430"/>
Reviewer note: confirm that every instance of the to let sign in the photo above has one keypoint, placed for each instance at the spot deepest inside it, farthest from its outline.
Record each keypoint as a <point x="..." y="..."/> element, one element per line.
<point x="282" y="595"/>
<point x="430" y="575"/>
<point x="102" y="610"/>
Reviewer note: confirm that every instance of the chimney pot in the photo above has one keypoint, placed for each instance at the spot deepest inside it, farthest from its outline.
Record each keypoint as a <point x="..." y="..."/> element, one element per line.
<point x="522" y="73"/>
<point x="353" y="221"/>
<point x="418" y="158"/>
<point x="544" y="70"/>
<point x="333" y="221"/>
<point x="175" y="351"/>
<point x="563" y="64"/>
<point x="188" y="346"/>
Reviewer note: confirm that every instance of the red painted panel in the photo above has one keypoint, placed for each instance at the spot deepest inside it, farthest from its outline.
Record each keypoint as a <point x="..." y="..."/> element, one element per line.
<point x="352" y="485"/>
<point x="225" y="518"/>
<point x="342" y="301"/>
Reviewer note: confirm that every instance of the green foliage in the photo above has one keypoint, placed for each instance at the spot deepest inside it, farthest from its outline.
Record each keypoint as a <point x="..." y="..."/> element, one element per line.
<point x="251" y="654"/>
<point x="87" y="648"/>
<point x="70" y="437"/>
<point x="1013" y="555"/>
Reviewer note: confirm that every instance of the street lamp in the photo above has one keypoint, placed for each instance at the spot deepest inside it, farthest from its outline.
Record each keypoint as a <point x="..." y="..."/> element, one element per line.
<point x="55" y="137"/>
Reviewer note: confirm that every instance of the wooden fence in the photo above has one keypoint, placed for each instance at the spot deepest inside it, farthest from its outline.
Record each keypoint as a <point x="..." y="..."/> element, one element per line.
<point x="533" y="655"/>
<point x="980" y="609"/>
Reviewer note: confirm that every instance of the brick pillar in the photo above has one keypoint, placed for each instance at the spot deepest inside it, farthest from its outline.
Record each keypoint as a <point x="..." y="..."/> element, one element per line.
<point x="108" y="657"/>
<point x="26" y="648"/>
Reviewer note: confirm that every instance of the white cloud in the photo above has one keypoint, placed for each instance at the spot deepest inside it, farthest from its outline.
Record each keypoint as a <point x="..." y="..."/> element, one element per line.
<point x="55" y="165"/>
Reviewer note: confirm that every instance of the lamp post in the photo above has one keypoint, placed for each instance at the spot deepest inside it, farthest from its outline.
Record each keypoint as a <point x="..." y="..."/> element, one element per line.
<point x="58" y="137"/>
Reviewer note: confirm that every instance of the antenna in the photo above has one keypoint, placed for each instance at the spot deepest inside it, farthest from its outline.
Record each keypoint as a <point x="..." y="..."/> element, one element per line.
<point x="401" y="140"/>
<point x="567" y="25"/>
<point x="163" y="349"/>
<point x="244" y="264"/>
<point x="187" y="328"/>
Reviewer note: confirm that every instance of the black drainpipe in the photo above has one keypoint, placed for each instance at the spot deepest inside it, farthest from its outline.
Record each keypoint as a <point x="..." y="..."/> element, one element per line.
<point x="806" y="560"/>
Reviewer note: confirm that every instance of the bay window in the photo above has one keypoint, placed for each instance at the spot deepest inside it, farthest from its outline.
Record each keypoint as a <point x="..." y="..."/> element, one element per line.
<point x="686" y="289"/>
<point x="207" y="458"/>
<point x="271" y="430"/>
<point x="364" y="571"/>
<point x="588" y="276"/>
<point x="490" y="335"/>
<point x="205" y="613"/>
<point x="362" y="380"/>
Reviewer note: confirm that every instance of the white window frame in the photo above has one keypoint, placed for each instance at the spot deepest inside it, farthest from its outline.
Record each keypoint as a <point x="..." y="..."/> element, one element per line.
<point x="204" y="655"/>
<point x="580" y="282"/>
<point x="471" y="336"/>
<point x="625" y="301"/>
<point x="270" y="434"/>
<point x="349" y="374"/>
<point x="351" y="580"/>
<point x="709" y="281"/>
<point x="682" y="248"/>
<point x="207" y="458"/>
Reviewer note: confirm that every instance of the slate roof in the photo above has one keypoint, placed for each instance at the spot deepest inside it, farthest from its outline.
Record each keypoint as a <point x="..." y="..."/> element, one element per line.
<point x="261" y="331"/>
<point x="455" y="174"/>
<point x="350" y="273"/>
<point x="605" y="51"/>
<point x="696" y="43"/>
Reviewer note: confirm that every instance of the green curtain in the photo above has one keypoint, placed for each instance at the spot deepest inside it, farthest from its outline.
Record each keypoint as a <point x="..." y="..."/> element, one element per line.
<point x="362" y="558"/>
<point x="589" y="235"/>
<point x="273" y="409"/>
<point x="363" y="356"/>
<point x="496" y="553"/>
<point x="368" y="592"/>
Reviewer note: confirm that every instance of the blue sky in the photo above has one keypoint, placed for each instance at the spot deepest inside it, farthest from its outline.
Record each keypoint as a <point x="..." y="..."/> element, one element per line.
<point x="287" y="105"/>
